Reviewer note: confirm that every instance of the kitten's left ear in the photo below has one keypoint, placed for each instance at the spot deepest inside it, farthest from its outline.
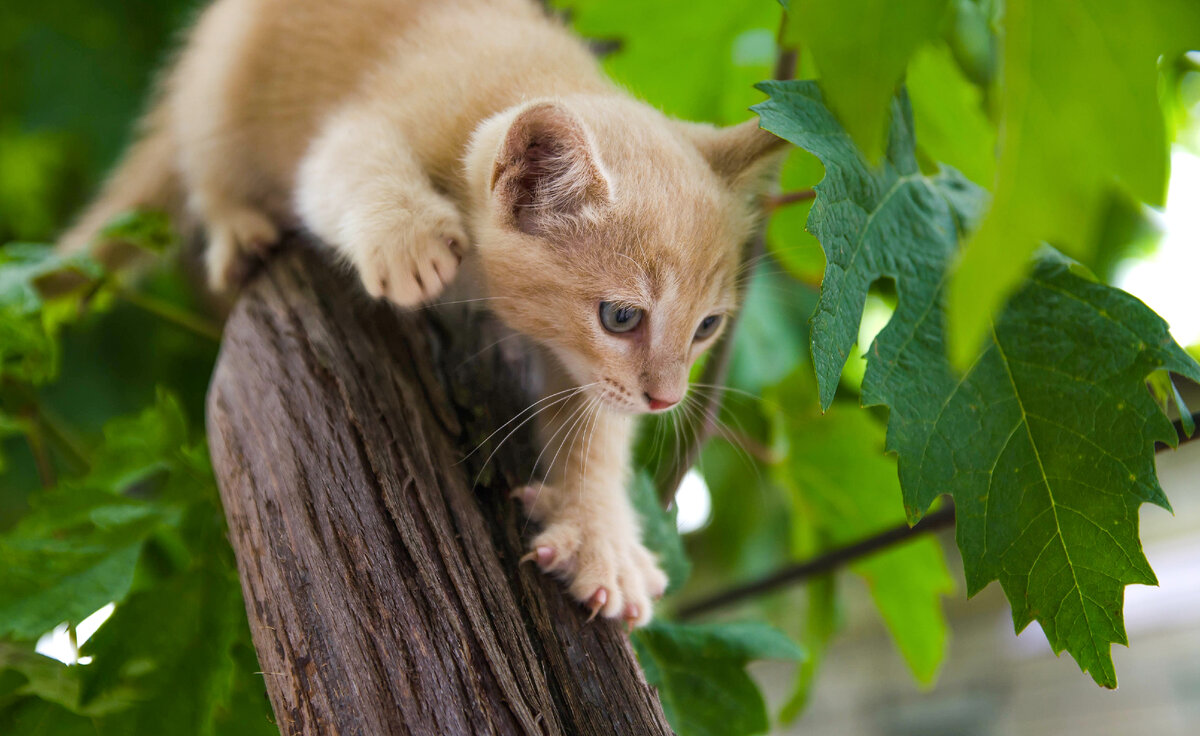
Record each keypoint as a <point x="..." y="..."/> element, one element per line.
<point x="744" y="155"/>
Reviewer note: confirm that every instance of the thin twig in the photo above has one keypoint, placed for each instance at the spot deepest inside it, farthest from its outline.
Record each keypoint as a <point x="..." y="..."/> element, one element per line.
<point x="775" y="201"/>
<point x="171" y="313"/>
<point x="833" y="559"/>
<point x="819" y="565"/>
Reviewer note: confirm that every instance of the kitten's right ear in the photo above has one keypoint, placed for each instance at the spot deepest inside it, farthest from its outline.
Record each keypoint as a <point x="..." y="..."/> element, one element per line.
<point x="744" y="155"/>
<point x="547" y="176"/>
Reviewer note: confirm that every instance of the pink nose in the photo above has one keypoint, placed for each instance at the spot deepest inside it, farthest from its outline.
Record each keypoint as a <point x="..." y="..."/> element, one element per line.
<point x="656" y="404"/>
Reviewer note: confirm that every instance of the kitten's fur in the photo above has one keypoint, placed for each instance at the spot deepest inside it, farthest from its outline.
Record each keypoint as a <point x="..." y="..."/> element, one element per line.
<point x="408" y="133"/>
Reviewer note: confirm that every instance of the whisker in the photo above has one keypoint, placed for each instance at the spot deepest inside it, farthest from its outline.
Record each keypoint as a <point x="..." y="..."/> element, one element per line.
<point x="487" y="348"/>
<point x="516" y="428"/>
<point x="510" y="421"/>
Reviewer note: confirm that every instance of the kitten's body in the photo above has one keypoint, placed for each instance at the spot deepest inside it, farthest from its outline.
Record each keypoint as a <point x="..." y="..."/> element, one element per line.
<point x="408" y="133"/>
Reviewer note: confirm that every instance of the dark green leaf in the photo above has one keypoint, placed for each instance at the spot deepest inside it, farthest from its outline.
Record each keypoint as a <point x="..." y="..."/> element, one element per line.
<point x="699" y="671"/>
<point x="168" y="652"/>
<point x="1046" y="443"/>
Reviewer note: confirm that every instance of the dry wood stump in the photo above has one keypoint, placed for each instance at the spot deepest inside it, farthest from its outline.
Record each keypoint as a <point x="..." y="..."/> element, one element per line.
<point x="383" y="588"/>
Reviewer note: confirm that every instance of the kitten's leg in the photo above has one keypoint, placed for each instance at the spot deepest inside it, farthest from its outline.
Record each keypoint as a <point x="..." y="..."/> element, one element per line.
<point x="590" y="532"/>
<point x="361" y="190"/>
<point x="220" y="196"/>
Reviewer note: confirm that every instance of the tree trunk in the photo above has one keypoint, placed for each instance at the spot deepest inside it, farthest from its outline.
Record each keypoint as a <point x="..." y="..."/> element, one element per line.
<point x="383" y="587"/>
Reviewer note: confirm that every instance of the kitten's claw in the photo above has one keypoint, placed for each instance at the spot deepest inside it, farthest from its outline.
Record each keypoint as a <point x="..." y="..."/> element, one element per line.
<point x="596" y="602"/>
<point x="604" y="565"/>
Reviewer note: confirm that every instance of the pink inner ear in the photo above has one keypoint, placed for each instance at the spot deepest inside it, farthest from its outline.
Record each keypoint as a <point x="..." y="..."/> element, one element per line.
<point x="546" y="173"/>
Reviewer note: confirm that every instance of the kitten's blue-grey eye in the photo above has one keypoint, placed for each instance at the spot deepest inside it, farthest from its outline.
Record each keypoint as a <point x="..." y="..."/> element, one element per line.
<point x="618" y="318"/>
<point x="708" y="326"/>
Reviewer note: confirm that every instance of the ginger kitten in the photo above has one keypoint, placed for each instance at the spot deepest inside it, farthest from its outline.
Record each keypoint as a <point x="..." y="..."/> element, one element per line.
<point x="409" y="134"/>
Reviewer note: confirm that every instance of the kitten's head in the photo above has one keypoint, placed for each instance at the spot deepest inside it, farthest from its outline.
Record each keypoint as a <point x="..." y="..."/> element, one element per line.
<point x="612" y="235"/>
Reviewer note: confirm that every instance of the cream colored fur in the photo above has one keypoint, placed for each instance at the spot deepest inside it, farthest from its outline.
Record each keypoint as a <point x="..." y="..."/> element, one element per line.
<point x="409" y="134"/>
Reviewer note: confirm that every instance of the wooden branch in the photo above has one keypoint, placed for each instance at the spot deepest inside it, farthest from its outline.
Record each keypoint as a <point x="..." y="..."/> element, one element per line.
<point x="384" y="592"/>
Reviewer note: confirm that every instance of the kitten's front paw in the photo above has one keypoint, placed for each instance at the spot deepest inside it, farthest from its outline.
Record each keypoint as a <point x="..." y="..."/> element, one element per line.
<point x="236" y="237"/>
<point x="411" y="261"/>
<point x="606" y="569"/>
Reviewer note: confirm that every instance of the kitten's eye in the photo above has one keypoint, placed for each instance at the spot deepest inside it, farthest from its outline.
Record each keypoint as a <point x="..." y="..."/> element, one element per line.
<point x="708" y="326"/>
<point x="618" y="319"/>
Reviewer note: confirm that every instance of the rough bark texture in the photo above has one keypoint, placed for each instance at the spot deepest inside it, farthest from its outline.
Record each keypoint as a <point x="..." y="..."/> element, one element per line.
<point x="383" y="589"/>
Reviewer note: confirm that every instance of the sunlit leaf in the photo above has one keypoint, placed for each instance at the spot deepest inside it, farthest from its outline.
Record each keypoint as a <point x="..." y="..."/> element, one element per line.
<point x="1079" y="116"/>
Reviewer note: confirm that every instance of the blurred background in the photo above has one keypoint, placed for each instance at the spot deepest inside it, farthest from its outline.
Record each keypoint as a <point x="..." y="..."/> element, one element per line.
<point x="74" y="77"/>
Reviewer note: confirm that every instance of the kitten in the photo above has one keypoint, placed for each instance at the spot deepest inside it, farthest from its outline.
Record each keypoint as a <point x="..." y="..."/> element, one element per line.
<point x="409" y="134"/>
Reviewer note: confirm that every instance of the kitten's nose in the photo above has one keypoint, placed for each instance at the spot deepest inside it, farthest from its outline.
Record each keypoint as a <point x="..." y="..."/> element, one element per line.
<point x="656" y="404"/>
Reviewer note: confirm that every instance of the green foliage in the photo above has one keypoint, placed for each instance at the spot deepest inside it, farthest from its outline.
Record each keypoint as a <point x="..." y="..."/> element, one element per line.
<point x="699" y="671"/>
<point x="715" y="52"/>
<point x="29" y="320"/>
<point x="130" y="517"/>
<point x="1080" y="116"/>
<point x="845" y="489"/>
<point x="1046" y="492"/>
<point x="861" y="48"/>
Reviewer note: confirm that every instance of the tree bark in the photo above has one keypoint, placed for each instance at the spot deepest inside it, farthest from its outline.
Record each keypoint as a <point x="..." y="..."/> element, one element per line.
<point x="383" y="587"/>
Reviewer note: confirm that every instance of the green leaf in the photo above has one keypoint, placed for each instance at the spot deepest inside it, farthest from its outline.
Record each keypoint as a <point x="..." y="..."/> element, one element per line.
<point x="659" y="532"/>
<point x="847" y="488"/>
<point x="694" y="60"/>
<point x="948" y="115"/>
<point x="862" y="48"/>
<point x="149" y="230"/>
<point x="890" y="220"/>
<point x="167" y="652"/>
<point x="700" y="673"/>
<point x="1079" y="115"/>
<point x="1047" y="445"/>
<point x="78" y="549"/>
<point x="1046" y="442"/>
<point x="30" y="321"/>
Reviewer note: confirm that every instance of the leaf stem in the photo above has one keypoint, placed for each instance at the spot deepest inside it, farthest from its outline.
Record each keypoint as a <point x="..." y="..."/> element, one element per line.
<point x="171" y="313"/>
<point x="775" y="201"/>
